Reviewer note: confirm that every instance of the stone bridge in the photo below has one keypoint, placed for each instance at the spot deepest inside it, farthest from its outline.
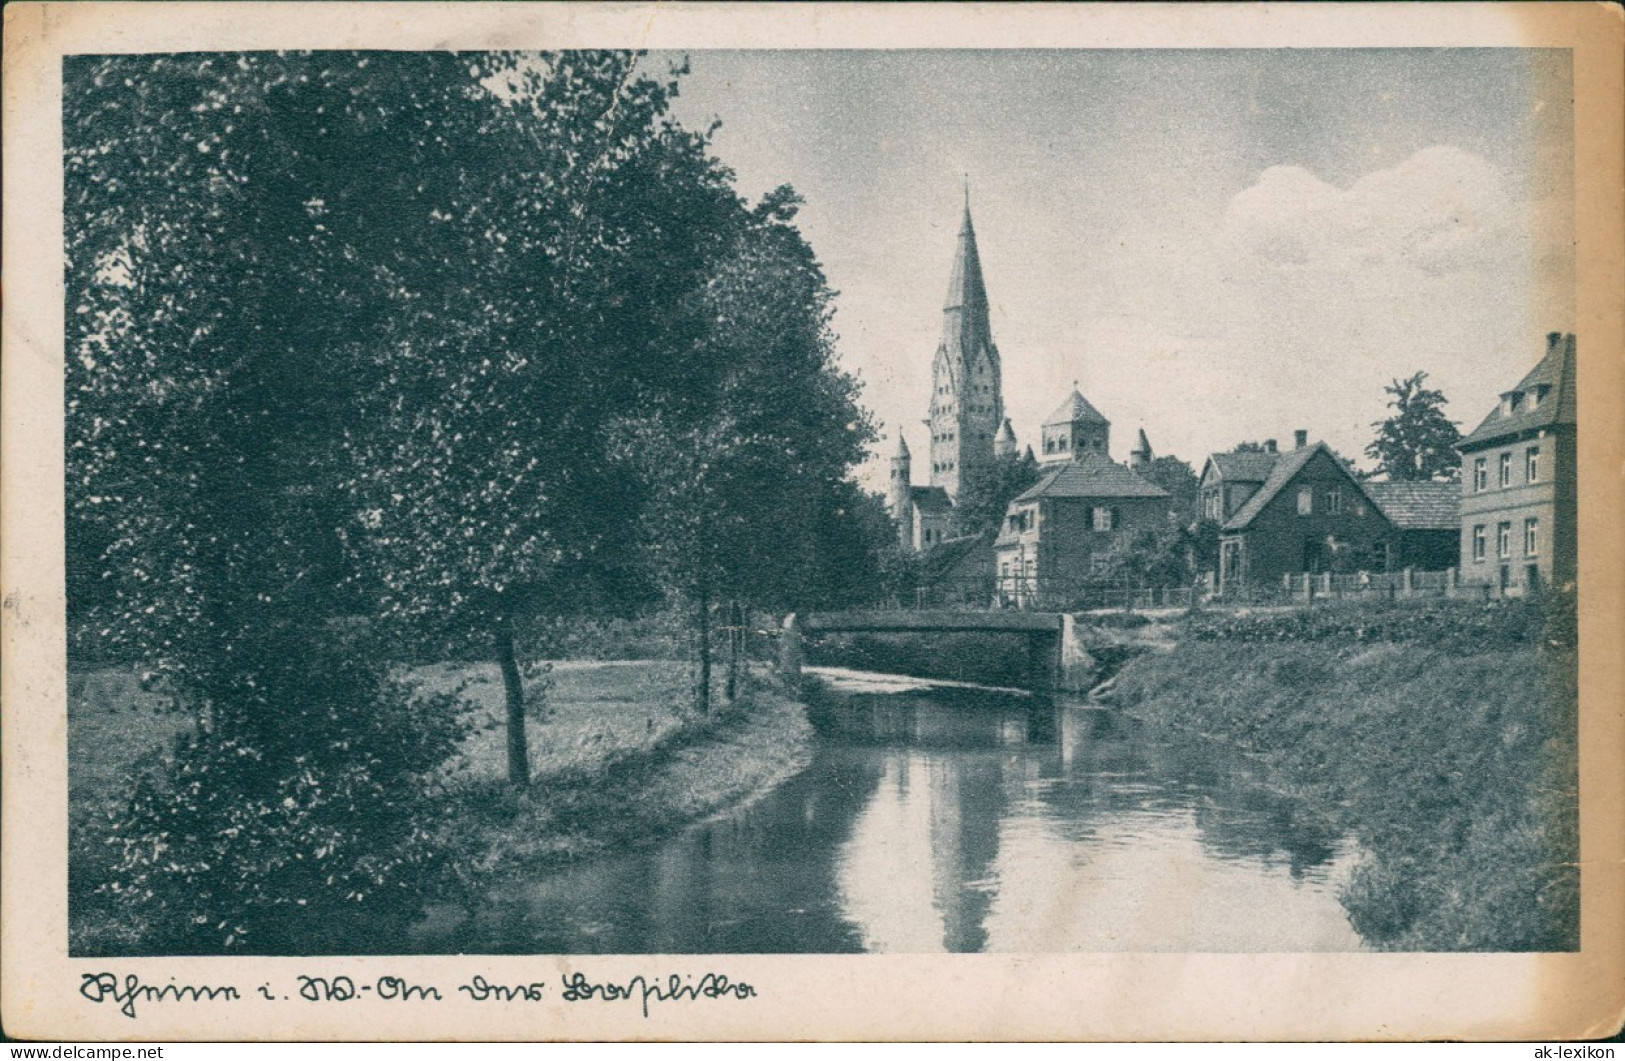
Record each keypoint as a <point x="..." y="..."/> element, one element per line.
<point x="1056" y="656"/>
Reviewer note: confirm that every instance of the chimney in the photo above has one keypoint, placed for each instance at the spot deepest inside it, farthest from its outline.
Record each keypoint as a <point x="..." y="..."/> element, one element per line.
<point x="1269" y="445"/>
<point x="1554" y="340"/>
<point x="1300" y="438"/>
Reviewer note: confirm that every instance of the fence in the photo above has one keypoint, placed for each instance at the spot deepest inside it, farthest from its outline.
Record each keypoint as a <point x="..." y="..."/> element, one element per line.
<point x="1053" y="594"/>
<point x="1366" y="585"/>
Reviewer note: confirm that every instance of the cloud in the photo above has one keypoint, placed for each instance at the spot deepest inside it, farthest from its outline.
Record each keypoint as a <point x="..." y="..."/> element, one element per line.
<point x="1439" y="211"/>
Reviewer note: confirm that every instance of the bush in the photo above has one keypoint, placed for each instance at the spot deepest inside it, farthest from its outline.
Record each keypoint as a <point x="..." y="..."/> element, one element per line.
<point x="1453" y="626"/>
<point x="302" y="831"/>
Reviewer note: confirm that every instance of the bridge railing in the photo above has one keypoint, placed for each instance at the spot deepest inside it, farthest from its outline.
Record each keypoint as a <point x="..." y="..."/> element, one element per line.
<point x="990" y="592"/>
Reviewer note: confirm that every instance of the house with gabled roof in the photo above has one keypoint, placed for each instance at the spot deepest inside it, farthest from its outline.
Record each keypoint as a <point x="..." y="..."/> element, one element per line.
<point x="1229" y="479"/>
<point x="1426" y="517"/>
<point x="1062" y="530"/>
<point x="1519" y="501"/>
<point x="1308" y="514"/>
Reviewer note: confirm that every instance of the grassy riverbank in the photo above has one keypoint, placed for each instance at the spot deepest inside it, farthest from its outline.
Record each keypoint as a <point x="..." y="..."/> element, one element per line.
<point x="616" y="753"/>
<point x="618" y="759"/>
<point x="1453" y="765"/>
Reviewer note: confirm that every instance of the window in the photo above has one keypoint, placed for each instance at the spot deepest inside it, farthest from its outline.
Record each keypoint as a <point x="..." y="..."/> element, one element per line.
<point x="1104" y="518"/>
<point x="1506" y="469"/>
<point x="1531" y="464"/>
<point x="1531" y="536"/>
<point x="1481" y="476"/>
<point x="1306" y="501"/>
<point x="1334" y="501"/>
<point x="1534" y="398"/>
<point x="1478" y="543"/>
<point x="1503" y="540"/>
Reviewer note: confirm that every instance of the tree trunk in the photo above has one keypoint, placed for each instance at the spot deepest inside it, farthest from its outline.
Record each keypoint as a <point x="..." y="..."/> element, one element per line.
<point x="514" y="690"/>
<point x="702" y="633"/>
<point x="736" y="639"/>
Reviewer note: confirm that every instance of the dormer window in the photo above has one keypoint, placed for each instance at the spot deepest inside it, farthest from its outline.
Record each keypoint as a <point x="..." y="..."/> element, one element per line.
<point x="1509" y="403"/>
<point x="1535" y="396"/>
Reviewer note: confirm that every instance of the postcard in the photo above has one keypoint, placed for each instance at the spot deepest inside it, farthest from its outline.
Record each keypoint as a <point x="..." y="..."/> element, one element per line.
<point x="578" y="521"/>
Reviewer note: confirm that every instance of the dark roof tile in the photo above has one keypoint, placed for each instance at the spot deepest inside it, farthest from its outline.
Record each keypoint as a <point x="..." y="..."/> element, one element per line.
<point x="1419" y="506"/>
<point x="1092" y="475"/>
<point x="1555" y="372"/>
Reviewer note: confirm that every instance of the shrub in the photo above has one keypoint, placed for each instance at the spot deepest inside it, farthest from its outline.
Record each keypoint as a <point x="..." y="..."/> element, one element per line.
<point x="1454" y="626"/>
<point x="301" y="832"/>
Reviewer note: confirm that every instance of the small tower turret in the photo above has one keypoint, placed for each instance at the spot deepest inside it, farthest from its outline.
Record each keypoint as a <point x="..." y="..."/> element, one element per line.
<point x="1074" y="429"/>
<point x="1004" y="443"/>
<point x="1140" y="455"/>
<point x="897" y="492"/>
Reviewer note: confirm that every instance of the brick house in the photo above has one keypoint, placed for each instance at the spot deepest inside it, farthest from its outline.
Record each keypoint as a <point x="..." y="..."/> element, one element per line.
<point x="1519" y="498"/>
<point x="1063" y="528"/>
<point x="1427" y="523"/>
<point x="1309" y="514"/>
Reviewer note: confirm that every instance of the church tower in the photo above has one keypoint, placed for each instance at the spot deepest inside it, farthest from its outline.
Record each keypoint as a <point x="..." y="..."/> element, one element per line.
<point x="967" y="398"/>
<point x="897" y="494"/>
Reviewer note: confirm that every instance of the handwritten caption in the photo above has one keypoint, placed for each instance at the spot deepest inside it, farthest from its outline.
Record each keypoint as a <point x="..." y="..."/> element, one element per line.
<point x="134" y="996"/>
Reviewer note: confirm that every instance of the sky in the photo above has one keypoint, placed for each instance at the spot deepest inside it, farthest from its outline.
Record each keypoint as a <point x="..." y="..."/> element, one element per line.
<point x="1216" y="245"/>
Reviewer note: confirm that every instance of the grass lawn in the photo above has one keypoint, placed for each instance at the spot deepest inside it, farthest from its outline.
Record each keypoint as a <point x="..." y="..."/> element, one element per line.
<point x="616" y="756"/>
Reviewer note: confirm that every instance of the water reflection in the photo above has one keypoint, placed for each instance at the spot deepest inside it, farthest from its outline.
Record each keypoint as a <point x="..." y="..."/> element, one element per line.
<point x="948" y="819"/>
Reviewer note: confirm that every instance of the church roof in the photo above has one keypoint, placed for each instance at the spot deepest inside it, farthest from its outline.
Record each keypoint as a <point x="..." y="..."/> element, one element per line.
<point x="1076" y="407"/>
<point x="1092" y="475"/>
<point x="1143" y="445"/>
<point x="930" y="498"/>
<point x="902" y="445"/>
<point x="1554" y="375"/>
<point x="1006" y="432"/>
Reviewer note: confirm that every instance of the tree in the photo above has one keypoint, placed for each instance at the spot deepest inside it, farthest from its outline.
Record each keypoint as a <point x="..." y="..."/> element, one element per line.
<point x="745" y="464"/>
<point x="588" y="226"/>
<point x="1418" y="442"/>
<point x="234" y="248"/>
<point x="1179" y="479"/>
<point x="1154" y="557"/>
<point x="982" y="504"/>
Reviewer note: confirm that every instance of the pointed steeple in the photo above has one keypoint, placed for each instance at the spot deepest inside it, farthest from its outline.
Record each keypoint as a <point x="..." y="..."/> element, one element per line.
<point x="1140" y="455"/>
<point x="966" y="289"/>
<point x="1004" y="443"/>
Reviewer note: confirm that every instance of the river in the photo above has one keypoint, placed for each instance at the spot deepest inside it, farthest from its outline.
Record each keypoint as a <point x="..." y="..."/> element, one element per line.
<point x="936" y="818"/>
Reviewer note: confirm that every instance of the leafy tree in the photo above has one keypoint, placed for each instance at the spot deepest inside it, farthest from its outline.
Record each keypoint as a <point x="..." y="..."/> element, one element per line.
<point x="483" y="474"/>
<point x="1203" y="541"/>
<point x="1155" y="557"/>
<point x="1180" y="480"/>
<point x="745" y="465"/>
<point x="1418" y="442"/>
<point x="982" y="505"/>
<point x="241" y="232"/>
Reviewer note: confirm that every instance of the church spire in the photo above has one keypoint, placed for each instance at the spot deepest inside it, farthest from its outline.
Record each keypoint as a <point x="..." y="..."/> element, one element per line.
<point x="966" y="290"/>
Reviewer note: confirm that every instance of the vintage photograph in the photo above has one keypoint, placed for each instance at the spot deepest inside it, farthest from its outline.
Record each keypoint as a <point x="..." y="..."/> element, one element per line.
<point x="745" y="501"/>
<point x="598" y="521"/>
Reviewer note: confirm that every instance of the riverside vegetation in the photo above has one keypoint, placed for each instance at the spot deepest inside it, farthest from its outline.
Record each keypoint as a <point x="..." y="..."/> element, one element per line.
<point x="619" y="755"/>
<point x="1442" y="737"/>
